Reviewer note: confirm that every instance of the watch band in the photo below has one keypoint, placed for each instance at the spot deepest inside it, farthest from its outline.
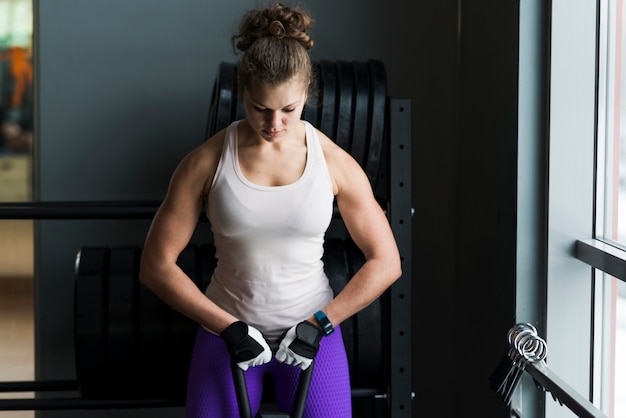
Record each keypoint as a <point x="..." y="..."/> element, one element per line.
<point x="323" y="320"/>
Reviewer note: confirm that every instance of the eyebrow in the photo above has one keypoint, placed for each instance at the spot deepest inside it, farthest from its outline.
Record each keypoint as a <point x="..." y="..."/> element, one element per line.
<point x="259" y="104"/>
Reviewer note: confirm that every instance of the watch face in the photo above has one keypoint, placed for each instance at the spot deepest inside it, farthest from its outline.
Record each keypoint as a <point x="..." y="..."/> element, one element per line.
<point x="324" y="322"/>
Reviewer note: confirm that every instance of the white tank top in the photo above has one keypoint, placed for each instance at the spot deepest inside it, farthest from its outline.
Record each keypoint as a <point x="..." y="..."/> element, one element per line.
<point x="269" y="241"/>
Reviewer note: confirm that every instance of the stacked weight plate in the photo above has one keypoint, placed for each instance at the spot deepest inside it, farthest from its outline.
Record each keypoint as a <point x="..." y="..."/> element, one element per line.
<point x="349" y="108"/>
<point x="130" y="345"/>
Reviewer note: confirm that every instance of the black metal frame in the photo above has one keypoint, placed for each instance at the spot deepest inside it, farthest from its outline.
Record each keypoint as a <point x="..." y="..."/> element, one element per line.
<point x="400" y="215"/>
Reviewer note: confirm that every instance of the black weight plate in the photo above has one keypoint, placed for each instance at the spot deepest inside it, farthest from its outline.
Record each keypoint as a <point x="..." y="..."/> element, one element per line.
<point x="182" y="328"/>
<point x="336" y="264"/>
<point x="378" y="100"/>
<point x="225" y="99"/>
<point x="90" y="321"/>
<point x="239" y="112"/>
<point x="382" y="182"/>
<point x="362" y="117"/>
<point x="311" y="110"/>
<point x="210" y="128"/>
<point x="328" y="117"/>
<point x="152" y="344"/>
<point x="207" y="263"/>
<point x="337" y="271"/>
<point x="368" y="330"/>
<point x="345" y="108"/>
<point x="121" y="331"/>
<point x="187" y="262"/>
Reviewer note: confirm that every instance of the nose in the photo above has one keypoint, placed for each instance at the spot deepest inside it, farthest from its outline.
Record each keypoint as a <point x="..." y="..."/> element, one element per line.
<point x="273" y="119"/>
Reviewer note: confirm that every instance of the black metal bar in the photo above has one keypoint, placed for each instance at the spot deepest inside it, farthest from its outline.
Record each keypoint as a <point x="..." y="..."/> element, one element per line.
<point x="302" y="391"/>
<point x="77" y="210"/>
<point x="563" y="392"/>
<point x="241" y="390"/>
<point x="515" y="413"/>
<point x="368" y="393"/>
<point x="29" y="404"/>
<point x="80" y="210"/>
<point x="39" y="386"/>
<point x="603" y="256"/>
<point x="79" y="403"/>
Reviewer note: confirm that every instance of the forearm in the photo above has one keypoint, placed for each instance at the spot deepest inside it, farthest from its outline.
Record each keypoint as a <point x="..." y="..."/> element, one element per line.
<point x="177" y="290"/>
<point x="369" y="282"/>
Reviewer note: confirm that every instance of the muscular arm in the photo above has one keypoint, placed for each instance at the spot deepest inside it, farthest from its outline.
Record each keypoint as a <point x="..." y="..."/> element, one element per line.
<point x="170" y="232"/>
<point x="370" y="230"/>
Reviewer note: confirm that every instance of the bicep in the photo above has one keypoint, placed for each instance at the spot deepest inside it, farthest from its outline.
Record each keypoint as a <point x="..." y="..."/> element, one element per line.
<point x="177" y="217"/>
<point x="363" y="216"/>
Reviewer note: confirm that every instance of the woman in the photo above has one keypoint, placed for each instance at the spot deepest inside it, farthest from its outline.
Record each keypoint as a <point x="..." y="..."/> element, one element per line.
<point x="269" y="181"/>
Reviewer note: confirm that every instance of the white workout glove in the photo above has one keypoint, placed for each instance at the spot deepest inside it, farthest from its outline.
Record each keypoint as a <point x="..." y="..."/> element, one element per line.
<point x="246" y="345"/>
<point x="299" y="345"/>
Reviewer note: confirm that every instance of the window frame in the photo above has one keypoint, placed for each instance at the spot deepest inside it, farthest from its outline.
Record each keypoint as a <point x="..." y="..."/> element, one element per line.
<point x="557" y="252"/>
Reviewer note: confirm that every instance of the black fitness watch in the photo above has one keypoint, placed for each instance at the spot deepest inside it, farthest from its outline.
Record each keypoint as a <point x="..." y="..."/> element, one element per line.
<point x="323" y="320"/>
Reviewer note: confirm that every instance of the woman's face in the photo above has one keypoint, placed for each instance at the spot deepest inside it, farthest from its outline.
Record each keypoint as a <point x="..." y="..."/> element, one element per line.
<point x="272" y="110"/>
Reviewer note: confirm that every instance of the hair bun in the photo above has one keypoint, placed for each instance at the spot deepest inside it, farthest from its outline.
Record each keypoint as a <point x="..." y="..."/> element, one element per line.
<point x="277" y="20"/>
<point x="277" y="29"/>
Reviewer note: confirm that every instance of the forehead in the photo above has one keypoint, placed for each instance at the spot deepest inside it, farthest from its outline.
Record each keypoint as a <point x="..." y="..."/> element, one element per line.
<point x="276" y="95"/>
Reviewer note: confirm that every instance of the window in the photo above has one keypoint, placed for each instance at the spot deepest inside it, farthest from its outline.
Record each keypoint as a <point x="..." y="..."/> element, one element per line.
<point x="611" y="186"/>
<point x="610" y="218"/>
<point x="578" y="122"/>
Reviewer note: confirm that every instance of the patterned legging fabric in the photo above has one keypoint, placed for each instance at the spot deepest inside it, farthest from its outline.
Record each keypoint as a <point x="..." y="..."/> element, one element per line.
<point x="211" y="393"/>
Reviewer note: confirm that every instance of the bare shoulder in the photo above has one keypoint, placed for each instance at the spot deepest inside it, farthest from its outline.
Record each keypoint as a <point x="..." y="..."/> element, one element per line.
<point x="343" y="168"/>
<point x="329" y="147"/>
<point x="208" y="152"/>
<point x="200" y="164"/>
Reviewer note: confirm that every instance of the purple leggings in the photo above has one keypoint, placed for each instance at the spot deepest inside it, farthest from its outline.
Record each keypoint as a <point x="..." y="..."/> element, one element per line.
<point x="211" y="393"/>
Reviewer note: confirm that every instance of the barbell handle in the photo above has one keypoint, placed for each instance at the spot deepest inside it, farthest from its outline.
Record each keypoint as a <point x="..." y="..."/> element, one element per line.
<point x="241" y="390"/>
<point x="302" y="391"/>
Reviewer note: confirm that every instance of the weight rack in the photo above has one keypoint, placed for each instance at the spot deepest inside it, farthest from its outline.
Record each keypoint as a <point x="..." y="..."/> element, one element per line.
<point x="352" y="104"/>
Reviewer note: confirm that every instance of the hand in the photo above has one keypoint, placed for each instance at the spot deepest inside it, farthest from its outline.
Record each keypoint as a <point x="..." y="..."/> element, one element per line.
<point x="246" y="345"/>
<point x="299" y="345"/>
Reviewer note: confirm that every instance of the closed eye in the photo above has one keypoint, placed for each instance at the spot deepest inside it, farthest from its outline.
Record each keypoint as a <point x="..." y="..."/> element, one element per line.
<point x="263" y="109"/>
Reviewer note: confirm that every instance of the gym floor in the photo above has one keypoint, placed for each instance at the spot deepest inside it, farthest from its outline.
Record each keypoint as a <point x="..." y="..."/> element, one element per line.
<point x="16" y="282"/>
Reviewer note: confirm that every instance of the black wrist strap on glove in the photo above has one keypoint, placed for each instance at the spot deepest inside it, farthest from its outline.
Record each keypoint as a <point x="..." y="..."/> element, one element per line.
<point x="241" y="346"/>
<point x="308" y="339"/>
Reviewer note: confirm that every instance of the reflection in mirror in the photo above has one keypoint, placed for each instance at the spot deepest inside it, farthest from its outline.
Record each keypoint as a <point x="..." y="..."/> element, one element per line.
<point x="16" y="236"/>
<point x="16" y="75"/>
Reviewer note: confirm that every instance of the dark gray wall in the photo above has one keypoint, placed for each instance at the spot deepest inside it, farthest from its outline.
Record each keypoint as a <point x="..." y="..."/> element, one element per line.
<point x="123" y="93"/>
<point x="487" y="196"/>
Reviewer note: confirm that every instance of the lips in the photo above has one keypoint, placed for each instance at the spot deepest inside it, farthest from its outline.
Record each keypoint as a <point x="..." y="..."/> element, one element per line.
<point x="273" y="134"/>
